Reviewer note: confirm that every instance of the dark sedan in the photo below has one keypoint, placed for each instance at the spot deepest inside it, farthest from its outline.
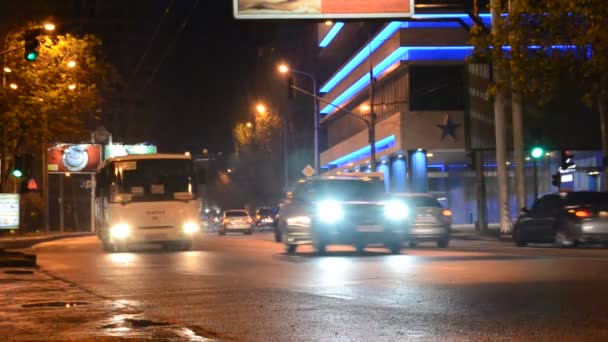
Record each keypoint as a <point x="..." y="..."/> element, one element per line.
<point x="565" y="219"/>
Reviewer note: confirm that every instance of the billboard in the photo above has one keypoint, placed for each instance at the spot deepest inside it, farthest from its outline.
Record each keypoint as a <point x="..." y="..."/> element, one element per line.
<point x="322" y="9"/>
<point x="74" y="158"/>
<point x="9" y="211"/>
<point x="119" y="150"/>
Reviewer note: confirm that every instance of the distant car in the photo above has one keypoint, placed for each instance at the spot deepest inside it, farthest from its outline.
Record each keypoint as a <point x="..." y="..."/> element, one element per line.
<point x="565" y="219"/>
<point x="338" y="211"/>
<point x="236" y="220"/>
<point x="432" y="221"/>
<point x="264" y="218"/>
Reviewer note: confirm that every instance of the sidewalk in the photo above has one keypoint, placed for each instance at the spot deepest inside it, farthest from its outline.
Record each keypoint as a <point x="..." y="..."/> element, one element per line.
<point x="24" y="241"/>
<point x="36" y="306"/>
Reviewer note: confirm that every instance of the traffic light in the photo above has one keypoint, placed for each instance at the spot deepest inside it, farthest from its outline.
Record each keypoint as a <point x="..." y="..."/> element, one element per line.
<point x="18" y="168"/>
<point x="537" y="152"/>
<point x="556" y="180"/>
<point x="291" y="90"/>
<point x="567" y="160"/>
<point x="31" y="45"/>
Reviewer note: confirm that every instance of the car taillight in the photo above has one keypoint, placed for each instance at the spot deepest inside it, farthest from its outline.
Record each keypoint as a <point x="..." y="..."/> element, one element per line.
<point x="257" y="217"/>
<point x="447" y="213"/>
<point x="249" y="220"/>
<point x="225" y="221"/>
<point x="582" y="213"/>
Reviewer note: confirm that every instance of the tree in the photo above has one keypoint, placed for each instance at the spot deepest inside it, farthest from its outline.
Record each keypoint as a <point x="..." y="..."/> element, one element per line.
<point x="256" y="159"/>
<point x="543" y="44"/>
<point x="54" y="98"/>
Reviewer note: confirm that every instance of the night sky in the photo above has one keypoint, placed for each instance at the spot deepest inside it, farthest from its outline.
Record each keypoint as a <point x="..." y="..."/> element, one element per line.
<point x="208" y="76"/>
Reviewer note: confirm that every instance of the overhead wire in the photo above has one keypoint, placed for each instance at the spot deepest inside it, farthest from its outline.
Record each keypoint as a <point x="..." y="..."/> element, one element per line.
<point x="141" y="60"/>
<point x="170" y="46"/>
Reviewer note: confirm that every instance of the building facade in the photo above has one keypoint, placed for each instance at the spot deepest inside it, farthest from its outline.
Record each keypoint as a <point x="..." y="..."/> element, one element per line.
<point x="432" y="112"/>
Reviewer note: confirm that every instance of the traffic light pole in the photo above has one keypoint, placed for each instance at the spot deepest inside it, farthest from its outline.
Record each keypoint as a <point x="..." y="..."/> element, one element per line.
<point x="535" y="180"/>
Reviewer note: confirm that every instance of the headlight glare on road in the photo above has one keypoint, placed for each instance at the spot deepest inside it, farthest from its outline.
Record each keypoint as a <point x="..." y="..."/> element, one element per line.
<point x="120" y="231"/>
<point x="190" y="227"/>
<point x="396" y="210"/>
<point x="330" y="211"/>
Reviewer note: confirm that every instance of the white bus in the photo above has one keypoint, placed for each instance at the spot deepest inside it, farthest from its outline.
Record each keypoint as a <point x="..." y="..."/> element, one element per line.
<point x="147" y="199"/>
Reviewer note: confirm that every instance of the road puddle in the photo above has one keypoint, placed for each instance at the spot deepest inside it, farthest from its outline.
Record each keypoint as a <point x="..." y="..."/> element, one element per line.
<point x="55" y="305"/>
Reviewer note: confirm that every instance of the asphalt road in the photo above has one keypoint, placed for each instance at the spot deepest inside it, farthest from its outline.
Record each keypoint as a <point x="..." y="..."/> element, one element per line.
<point x="245" y="288"/>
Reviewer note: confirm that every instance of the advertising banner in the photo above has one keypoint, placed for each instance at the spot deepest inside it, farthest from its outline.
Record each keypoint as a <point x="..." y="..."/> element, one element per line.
<point x="322" y="9"/>
<point x="9" y="211"/>
<point x="74" y="158"/>
<point x="119" y="150"/>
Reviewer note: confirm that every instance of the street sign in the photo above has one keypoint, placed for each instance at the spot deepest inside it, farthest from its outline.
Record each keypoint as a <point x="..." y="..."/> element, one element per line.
<point x="322" y="9"/>
<point x="9" y="211"/>
<point x="308" y="171"/>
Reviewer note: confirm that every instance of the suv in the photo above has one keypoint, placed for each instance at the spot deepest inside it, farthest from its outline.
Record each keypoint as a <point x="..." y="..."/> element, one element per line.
<point x="342" y="211"/>
<point x="264" y="218"/>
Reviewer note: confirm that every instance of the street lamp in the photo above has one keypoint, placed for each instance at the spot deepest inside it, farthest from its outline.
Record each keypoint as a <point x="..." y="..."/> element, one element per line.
<point x="13" y="86"/>
<point x="284" y="69"/>
<point x="71" y="64"/>
<point x="72" y="86"/>
<point x="248" y="124"/>
<point x="261" y="109"/>
<point x="7" y="69"/>
<point x="49" y="27"/>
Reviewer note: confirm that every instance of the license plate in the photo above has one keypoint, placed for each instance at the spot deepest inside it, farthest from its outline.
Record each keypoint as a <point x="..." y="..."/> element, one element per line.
<point x="370" y="228"/>
<point x="156" y="236"/>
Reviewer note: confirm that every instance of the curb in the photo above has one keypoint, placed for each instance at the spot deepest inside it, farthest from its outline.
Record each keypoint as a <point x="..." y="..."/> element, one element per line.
<point x="17" y="259"/>
<point x="18" y="243"/>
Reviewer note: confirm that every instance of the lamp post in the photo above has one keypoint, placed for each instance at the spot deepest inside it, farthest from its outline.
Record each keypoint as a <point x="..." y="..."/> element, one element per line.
<point x="536" y="153"/>
<point x="284" y="69"/>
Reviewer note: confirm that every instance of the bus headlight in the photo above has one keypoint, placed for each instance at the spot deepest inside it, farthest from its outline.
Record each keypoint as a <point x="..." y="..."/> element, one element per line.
<point x="330" y="211"/>
<point x="396" y="210"/>
<point x="120" y="231"/>
<point x="190" y="227"/>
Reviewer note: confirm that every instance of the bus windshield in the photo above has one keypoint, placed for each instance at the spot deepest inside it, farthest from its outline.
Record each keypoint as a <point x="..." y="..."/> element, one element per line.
<point x="152" y="180"/>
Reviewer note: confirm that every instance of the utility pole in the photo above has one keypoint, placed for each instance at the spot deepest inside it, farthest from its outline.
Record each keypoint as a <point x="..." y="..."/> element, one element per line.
<point x="372" y="112"/>
<point x="501" y="143"/>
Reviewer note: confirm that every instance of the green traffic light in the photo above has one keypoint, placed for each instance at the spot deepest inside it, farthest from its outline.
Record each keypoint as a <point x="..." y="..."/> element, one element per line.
<point x="31" y="56"/>
<point x="17" y="173"/>
<point x="537" y="152"/>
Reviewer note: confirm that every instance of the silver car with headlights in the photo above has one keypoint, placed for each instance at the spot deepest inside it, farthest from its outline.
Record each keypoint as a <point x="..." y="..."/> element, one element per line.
<point x="236" y="220"/>
<point x="432" y="222"/>
<point x="342" y="211"/>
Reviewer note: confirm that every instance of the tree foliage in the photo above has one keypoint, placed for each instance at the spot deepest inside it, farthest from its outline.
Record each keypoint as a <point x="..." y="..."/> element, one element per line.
<point x="43" y="106"/>
<point x="541" y="44"/>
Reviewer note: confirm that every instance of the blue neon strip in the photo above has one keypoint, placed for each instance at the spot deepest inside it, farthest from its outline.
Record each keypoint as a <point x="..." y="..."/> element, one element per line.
<point x="401" y="53"/>
<point x="331" y="34"/>
<point x="377" y="41"/>
<point x="364" y="152"/>
<point x="384" y="35"/>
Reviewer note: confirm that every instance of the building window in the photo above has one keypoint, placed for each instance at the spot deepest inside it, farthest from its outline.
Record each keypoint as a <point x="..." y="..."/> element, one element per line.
<point x="438" y="87"/>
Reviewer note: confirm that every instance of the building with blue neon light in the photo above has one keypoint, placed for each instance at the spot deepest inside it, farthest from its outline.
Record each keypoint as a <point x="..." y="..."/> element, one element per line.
<point x="431" y="107"/>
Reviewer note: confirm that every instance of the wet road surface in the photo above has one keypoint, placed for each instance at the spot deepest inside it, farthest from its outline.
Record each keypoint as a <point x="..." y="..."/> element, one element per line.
<point x="245" y="288"/>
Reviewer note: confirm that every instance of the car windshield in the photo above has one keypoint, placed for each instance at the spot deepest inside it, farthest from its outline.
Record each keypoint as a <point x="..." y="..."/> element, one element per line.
<point x="595" y="199"/>
<point x="423" y="202"/>
<point x="265" y="212"/>
<point x="236" y="213"/>
<point x="349" y="190"/>
<point x="153" y="179"/>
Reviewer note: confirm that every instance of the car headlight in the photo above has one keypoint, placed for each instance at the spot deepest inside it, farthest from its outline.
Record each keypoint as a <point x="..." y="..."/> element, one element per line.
<point x="190" y="227"/>
<point x="330" y="211"/>
<point x="396" y="210"/>
<point x="120" y="231"/>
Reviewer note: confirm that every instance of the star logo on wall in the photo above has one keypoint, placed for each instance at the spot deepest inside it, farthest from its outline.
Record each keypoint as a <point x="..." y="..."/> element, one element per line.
<point x="448" y="127"/>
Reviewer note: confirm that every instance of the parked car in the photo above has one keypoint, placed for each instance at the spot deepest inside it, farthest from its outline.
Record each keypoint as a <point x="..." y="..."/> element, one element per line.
<point x="264" y="218"/>
<point x="432" y="222"/>
<point x="342" y="211"/>
<point x="565" y="219"/>
<point x="236" y="220"/>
